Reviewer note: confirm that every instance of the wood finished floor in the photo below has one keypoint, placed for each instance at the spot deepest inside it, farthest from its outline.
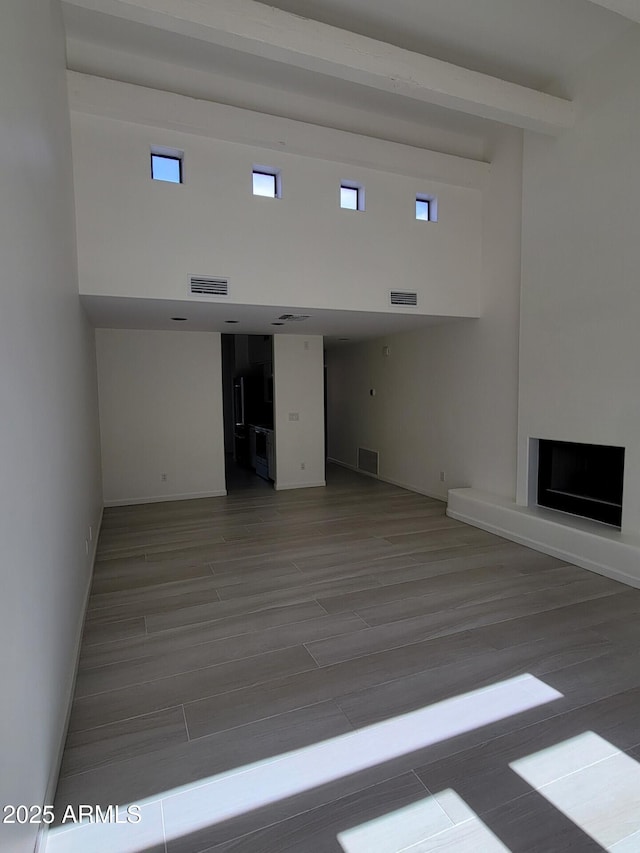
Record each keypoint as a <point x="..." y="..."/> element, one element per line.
<point x="226" y="631"/>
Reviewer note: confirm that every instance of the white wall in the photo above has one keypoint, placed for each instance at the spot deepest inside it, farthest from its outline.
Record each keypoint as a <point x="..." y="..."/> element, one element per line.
<point x="301" y="250"/>
<point x="49" y="455"/>
<point x="160" y="413"/>
<point x="446" y="396"/>
<point x="580" y="348"/>
<point x="298" y="389"/>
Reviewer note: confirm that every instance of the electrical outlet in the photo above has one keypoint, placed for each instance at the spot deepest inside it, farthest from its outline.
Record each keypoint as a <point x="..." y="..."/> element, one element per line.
<point x="302" y="466"/>
<point x="163" y="477"/>
<point x="443" y="476"/>
<point x="294" y="416"/>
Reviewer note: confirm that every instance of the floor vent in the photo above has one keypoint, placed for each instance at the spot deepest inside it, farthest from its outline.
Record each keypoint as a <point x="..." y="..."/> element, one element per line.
<point x="368" y="461"/>
<point x="200" y="286"/>
<point x="404" y="297"/>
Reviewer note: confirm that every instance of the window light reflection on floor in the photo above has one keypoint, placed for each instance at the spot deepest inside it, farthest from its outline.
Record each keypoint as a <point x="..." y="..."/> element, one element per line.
<point x="594" y="784"/>
<point x="440" y="822"/>
<point x="227" y="795"/>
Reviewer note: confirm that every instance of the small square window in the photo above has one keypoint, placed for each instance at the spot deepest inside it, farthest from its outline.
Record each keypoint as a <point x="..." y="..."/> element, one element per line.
<point x="427" y="208"/>
<point x="351" y="196"/>
<point x="266" y="183"/>
<point x="166" y="168"/>
<point x="422" y="209"/>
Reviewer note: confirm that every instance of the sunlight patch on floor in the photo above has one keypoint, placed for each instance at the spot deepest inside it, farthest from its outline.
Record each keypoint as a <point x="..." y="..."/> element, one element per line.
<point x="594" y="784"/>
<point x="424" y="827"/>
<point x="265" y="782"/>
<point x="227" y="795"/>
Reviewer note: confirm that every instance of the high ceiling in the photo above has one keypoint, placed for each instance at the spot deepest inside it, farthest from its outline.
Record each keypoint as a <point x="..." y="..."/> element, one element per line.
<point x="532" y="43"/>
<point x="469" y="61"/>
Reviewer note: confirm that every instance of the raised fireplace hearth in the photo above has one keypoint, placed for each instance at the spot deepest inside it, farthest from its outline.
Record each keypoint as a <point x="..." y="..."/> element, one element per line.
<point x="581" y="479"/>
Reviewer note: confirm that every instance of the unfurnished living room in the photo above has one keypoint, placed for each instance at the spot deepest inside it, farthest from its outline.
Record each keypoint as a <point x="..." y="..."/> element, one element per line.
<point x="320" y="436"/>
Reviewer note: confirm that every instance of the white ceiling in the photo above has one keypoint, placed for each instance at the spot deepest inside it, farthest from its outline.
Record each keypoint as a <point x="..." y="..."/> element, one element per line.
<point x="532" y="43"/>
<point x="106" y="312"/>
<point x="186" y="66"/>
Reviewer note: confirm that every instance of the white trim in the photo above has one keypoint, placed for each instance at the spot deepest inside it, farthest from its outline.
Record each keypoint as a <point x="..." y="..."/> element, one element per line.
<point x="286" y="486"/>
<point x="352" y="467"/>
<point x="407" y="486"/>
<point x="221" y="493"/>
<point x="41" y="838"/>
<point x="412" y="488"/>
<point x="302" y="43"/>
<point x="590" y="545"/>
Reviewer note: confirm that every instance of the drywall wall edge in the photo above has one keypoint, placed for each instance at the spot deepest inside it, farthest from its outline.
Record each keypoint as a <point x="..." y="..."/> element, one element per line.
<point x="286" y="486"/>
<point x="188" y="496"/>
<point x="41" y="838"/>
<point x="409" y="488"/>
<point x="136" y="104"/>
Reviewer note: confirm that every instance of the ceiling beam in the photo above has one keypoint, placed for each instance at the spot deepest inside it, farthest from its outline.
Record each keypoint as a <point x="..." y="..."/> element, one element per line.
<point x="256" y="28"/>
<point x="627" y="8"/>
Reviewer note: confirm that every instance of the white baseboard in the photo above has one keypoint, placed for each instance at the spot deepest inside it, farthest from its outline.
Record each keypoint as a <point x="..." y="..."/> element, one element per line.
<point x="587" y="544"/>
<point x="351" y="468"/>
<point x="283" y="487"/>
<point x="152" y="499"/>
<point x="94" y="550"/>
<point x="41" y="839"/>
<point x="413" y="488"/>
<point x="408" y="486"/>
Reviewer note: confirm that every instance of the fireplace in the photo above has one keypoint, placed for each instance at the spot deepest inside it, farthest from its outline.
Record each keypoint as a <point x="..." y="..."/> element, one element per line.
<point x="582" y="479"/>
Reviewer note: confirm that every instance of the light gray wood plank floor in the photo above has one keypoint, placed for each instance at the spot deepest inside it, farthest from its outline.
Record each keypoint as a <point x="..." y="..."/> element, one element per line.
<point x="270" y="630"/>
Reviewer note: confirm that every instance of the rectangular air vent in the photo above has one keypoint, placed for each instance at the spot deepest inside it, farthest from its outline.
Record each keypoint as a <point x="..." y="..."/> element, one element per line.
<point x="201" y="286"/>
<point x="404" y="297"/>
<point x="294" y="318"/>
<point x="368" y="461"/>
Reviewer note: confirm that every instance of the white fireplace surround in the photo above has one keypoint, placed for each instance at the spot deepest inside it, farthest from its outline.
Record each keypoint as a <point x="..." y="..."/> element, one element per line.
<point x="585" y="543"/>
<point x="589" y="544"/>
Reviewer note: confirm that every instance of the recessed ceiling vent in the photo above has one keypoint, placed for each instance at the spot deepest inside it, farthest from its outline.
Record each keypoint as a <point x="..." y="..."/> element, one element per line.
<point x="201" y="286"/>
<point x="403" y="297"/>
<point x="294" y="318"/>
<point x="368" y="461"/>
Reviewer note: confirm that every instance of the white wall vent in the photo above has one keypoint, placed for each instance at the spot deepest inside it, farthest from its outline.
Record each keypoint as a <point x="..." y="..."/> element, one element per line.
<point x="368" y="461"/>
<point x="202" y="286"/>
<point x="403" y="297"/>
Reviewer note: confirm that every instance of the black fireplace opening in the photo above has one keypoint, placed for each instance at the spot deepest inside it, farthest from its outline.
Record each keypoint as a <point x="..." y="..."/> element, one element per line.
<point x="582" y="479"/>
